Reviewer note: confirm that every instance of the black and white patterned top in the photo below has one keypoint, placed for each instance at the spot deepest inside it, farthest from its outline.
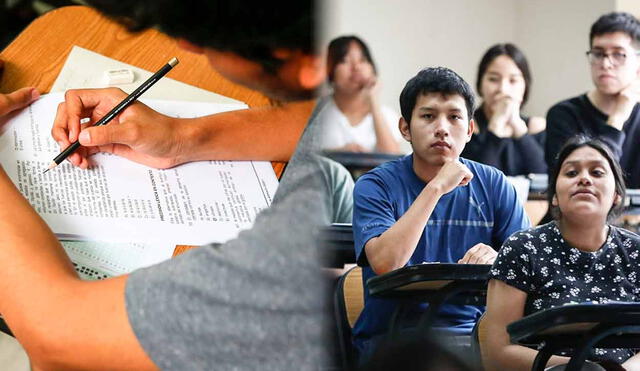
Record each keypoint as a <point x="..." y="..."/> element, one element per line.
<point x="541" y="263"/>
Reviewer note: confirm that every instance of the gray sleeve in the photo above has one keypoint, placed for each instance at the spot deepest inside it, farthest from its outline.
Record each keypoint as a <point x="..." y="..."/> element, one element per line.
<point x="256" y="302"/>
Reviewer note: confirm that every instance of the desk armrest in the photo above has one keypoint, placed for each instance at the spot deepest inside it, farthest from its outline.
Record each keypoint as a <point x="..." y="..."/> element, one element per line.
<point x="430" y="277"/>
<point x="574" y="319"/>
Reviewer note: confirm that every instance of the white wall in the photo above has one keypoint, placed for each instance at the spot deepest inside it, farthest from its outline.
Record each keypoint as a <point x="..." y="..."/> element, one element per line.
<point x="554" y="35"/>
<point x="406" y="35"/>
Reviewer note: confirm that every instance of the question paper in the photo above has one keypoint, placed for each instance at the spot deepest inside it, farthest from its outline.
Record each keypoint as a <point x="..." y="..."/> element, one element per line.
<point x="117" y="200"/>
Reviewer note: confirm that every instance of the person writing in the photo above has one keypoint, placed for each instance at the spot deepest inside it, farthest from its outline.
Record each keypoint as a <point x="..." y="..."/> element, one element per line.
<point x="255" y="302"/>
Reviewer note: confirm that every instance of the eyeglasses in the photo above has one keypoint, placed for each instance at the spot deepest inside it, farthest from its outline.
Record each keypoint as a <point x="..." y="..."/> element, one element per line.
<point x="615" y="58"/>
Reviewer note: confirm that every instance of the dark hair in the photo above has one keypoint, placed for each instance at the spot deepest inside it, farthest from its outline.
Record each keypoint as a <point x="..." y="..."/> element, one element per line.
<point x="250" y="29"/>
<point x="338" y="49"/>
<point x="516" y="56"/>
<point x="435" y="80"/>
<point x="573" y="144"/>
<point x="616" y="22"/>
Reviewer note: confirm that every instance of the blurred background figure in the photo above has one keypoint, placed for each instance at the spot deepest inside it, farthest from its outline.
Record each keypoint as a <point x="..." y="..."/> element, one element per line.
<point x="354" y="120"/>
<point x="503" y="137"/>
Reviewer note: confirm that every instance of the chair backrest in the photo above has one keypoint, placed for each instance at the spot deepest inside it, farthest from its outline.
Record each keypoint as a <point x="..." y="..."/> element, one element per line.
<point x="478" y="341"/>
<point x="348" y="304"/>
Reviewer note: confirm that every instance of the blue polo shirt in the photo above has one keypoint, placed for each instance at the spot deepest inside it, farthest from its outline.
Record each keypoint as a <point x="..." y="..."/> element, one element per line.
<point x="486" y="211"/>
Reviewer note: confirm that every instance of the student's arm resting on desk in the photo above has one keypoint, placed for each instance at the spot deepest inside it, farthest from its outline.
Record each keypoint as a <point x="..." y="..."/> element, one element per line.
<point x="393" y="248"/>
<point x="145" y="136"/>
<point x="61" y="321"/>
<point x="505" y="304"/>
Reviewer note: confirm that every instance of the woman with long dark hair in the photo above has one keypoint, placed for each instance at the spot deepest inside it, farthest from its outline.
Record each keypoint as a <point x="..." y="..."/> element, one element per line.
<point x="503" y="137"/>
<point x="354" y="120"/>
<point x="579" y="257"/>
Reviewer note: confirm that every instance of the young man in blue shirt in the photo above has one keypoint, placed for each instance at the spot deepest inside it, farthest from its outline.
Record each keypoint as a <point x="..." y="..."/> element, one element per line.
<point x="432" y="205"/>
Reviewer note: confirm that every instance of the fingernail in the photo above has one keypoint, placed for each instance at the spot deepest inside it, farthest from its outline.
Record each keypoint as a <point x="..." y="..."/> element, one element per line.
<point x="84" y="137"/>
<point x="60" y="144"/>
<point x="35" y="94"/>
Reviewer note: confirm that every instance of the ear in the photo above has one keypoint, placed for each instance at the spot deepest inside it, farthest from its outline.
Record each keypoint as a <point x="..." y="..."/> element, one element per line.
<point x="472" y="125"/>
<point x="554" y="200"/>
<point x="403" y="125"/>
<point x="617" y="200"/>
<point x="189" y="46"/>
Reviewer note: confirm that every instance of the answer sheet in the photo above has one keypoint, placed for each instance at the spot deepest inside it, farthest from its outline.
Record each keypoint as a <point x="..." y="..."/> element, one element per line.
<point x="120" y="201"/>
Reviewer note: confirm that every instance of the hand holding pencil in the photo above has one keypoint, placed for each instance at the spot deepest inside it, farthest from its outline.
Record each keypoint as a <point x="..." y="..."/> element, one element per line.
<point x="134" y="131"/>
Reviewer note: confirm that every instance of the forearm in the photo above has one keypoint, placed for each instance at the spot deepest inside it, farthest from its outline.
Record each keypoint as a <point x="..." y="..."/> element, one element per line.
<point x="393" y="249"/>
<point x="36" y="271"/>
<point x="633" y="363"/>
<point x="385" y="142"/>
<point x="61" y="321"/>
<point x="517" y="357"/>
<point x="32" y="255"/>
<point x="617" y="119"/>
<point x="264" y="133"/>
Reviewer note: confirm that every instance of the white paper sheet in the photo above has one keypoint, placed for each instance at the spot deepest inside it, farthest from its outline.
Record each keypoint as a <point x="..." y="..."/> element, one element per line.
<point x="94" y="260"/>
<point x="85" y="69"/>
<point x="121" y="201"/>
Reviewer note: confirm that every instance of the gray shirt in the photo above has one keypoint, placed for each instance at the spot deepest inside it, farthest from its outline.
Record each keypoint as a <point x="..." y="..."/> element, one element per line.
<point x="258" y="301"/>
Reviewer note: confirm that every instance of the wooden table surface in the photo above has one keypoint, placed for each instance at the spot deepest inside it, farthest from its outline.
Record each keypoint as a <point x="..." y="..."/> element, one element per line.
<point x="37" y="55"/>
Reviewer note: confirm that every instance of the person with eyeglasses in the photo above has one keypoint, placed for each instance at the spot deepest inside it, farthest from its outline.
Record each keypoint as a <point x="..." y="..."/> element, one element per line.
<point x="609" y="112"/>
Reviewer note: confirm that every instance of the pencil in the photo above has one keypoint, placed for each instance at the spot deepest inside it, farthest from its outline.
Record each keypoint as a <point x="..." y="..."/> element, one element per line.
<point x="117" y="109"/>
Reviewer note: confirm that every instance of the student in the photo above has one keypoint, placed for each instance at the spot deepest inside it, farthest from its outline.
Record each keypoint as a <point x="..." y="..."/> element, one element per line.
<point x="503" y="138"/>
<point x="354" y="120"/>
<point x="256" y="302"/>
<point x="431" y="205"/>
<point x="579" y="257"/>
<point x="609" y="112"/>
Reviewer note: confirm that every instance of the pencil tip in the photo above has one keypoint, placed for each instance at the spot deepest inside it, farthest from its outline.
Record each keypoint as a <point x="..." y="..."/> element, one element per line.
<point x="44" y="172"/>
<point x="51" y="166"/>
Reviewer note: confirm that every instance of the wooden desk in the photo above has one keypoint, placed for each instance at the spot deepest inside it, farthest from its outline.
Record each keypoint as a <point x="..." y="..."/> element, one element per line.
<point x="37" y="55"/>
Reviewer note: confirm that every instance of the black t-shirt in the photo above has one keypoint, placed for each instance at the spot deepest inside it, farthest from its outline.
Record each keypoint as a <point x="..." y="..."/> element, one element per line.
<point x="541" y="263"/>
<point x="521" y="156"/>
<point x="579" y="116"/>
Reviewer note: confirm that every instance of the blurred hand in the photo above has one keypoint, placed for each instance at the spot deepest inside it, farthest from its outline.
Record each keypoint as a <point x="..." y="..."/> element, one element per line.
<point x="452" y="174"/>
<point x="17" y="100"/>
<point x="625" y="101"/>
<point x="370" y="87"/>
<point x="139" y="133"/>
<point x="479" y="254"/>
<point x="506" y="121"/>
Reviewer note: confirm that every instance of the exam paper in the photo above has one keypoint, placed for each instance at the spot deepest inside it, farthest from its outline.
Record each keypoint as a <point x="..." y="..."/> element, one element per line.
<point x="121" y="201"/>
<point x="96" y="260"/>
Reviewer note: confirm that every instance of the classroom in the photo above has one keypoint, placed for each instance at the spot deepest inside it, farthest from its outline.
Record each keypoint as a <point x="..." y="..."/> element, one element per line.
<point x="335" y="185"/>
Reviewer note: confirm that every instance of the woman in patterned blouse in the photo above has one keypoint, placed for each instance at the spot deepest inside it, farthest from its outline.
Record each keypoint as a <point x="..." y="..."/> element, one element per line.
<point x="576" y="258"/>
